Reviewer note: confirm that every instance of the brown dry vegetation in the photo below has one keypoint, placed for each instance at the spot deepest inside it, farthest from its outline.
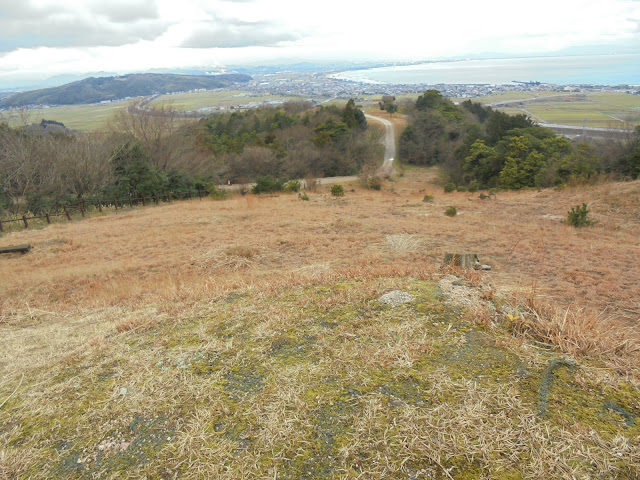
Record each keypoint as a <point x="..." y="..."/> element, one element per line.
<point x="159" y="254"/>
<point x="114" y="297"/>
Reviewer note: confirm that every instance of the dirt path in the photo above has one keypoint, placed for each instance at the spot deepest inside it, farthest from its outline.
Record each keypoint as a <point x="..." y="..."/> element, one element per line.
<point x="389" y="141"/>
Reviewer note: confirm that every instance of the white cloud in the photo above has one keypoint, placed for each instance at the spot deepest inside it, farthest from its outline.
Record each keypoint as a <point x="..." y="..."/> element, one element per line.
<point x="54" y="36"/>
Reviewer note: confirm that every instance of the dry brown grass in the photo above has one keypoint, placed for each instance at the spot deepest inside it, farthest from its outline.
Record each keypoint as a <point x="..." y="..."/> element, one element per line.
<point x="133" y="293"/>
<point x="178" y="251"/>
<point x="579" y="331"/>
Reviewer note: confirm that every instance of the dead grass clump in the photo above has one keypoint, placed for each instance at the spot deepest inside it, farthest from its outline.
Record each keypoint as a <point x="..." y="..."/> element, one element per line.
<point x="136" y="324"/>
<point x="233" y="257"/>
<point x="240" y="251"/>
<point x="402" y="243"/>
<point x="577" y="331"/>
<point x="242" y="257"/>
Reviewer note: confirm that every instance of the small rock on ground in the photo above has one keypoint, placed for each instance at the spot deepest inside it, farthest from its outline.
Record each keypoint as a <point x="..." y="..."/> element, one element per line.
<point x="395" y="298"/>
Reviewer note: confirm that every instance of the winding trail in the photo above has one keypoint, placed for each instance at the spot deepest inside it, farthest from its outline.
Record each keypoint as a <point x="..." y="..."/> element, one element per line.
<point x="389" y="141"/>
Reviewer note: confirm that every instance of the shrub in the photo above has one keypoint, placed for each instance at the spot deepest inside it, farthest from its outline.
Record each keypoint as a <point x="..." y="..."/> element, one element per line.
<point x="451" y="212"/>
<point x="337" y="190"/>
<point x="427" y="198"/>
<point x="374" y="183"/>
<point x="449" y="187"/>
<point x="579" y="216"/>
<point x="304" y="196"/>
<point x="216" y="192"/>
<point x="474" y="186"/>
<point x="267" y="184"/>
<point x="292" y="186"/>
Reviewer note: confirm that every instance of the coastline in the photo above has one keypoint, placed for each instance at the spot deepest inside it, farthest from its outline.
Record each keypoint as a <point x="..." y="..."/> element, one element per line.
<point x="612" y="69"/>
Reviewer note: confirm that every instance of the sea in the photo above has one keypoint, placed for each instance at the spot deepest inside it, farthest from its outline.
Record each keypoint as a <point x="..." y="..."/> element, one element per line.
<point x="622" y="69"/>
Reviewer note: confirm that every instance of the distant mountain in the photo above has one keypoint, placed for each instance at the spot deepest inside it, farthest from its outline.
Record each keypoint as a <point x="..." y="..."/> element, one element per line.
<point x="93" y="90"/>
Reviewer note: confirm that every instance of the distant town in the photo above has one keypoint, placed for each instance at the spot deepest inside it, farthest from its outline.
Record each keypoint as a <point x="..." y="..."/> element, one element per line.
<point x="324" y="85"/>
<point x="319" y="87"/>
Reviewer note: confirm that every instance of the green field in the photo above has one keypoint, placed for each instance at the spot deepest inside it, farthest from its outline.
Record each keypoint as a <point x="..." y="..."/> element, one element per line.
<point x="75" y="117"/>
<point x="194" y="101"/>
<point x="609" y="110"/>
<point x="511" y="96"/>
<point x="90" y="117"/>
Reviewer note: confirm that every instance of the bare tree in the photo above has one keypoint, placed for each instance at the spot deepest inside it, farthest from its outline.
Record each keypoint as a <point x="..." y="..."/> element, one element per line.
<point x="86" y="165"/>
<point x="164" y="132"/>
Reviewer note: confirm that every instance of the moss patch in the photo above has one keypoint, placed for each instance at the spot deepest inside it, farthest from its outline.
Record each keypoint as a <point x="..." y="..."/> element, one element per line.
<point x="318" y="382"/>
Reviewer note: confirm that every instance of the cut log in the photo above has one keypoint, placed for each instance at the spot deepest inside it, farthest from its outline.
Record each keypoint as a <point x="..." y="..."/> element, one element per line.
<point x="15" y="249"/>
<point x="463" y="260"/>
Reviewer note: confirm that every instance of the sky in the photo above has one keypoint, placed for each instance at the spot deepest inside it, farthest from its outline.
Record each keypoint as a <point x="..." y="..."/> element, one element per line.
<point x="44" y="38"/>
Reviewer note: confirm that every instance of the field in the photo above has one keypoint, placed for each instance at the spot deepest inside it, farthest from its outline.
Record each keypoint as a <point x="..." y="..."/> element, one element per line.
<point x="608" y="110"/>
<point x="96" y="116"/>
<point x="76" y="117"/>
<point x="195" y="101"/>
<point x="250" y="339"/>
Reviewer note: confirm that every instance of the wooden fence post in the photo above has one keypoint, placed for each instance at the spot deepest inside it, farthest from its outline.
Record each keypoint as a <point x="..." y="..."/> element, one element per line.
<point x="155" y="199"/>
<point x="99" y="206"/>
<point x="48" y="217"/>
<point x="82" y="207"/>
<point x="115" y="202"/>
<point x="1" y="229"/>
<point x="130" y="202"/>
<point x="24" y="219"/>
<point x="66" y="212"/>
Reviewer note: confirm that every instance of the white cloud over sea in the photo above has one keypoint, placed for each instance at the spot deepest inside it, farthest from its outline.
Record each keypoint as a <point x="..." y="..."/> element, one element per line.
<point x="42" y="38"/>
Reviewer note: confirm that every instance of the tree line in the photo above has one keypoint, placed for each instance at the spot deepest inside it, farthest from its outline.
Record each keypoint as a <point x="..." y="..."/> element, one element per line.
<point x="480" y="147"/>
<point x="146" y="152"/>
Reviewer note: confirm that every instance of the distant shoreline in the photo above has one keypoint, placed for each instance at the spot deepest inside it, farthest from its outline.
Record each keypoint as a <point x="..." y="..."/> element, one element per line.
<point x="613" y="69"/>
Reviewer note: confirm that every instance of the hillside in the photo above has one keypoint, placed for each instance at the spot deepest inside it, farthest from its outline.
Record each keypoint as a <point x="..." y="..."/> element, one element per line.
<point x="250" y="338"/>
<point x="93" y="90"/>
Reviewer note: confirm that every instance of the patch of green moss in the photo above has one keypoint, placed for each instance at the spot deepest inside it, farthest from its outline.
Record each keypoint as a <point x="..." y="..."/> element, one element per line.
<point x="480" y="358"/>
<point x="329" y="432"/>
<point x="183" y="341"/>
<point x="81" y="460"/>
<point x="572" y="403"/>
<point x="244" y="380"/>
<point x="399" y="389"/>
<point x="292" y="347"/>
<point x="236" y="429"/>
<point x="206" y="364"/>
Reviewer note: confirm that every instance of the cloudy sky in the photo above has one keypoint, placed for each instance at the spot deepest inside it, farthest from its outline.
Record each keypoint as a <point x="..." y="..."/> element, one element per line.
<point x="43" y="38"/>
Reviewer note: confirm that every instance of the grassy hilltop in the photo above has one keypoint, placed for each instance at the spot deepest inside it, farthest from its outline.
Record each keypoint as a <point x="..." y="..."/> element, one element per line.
<point x="247" y="338"/>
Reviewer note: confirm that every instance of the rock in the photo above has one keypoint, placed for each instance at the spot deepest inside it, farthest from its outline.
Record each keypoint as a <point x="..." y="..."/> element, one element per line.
<point x="395" y="298"/>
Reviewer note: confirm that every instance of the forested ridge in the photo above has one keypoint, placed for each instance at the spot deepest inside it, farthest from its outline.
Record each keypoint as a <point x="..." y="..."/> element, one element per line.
<point x="480" y="147"/>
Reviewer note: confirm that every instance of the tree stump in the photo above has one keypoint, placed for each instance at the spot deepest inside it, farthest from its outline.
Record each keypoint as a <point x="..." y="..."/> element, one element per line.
<point x="462" y="260"/>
